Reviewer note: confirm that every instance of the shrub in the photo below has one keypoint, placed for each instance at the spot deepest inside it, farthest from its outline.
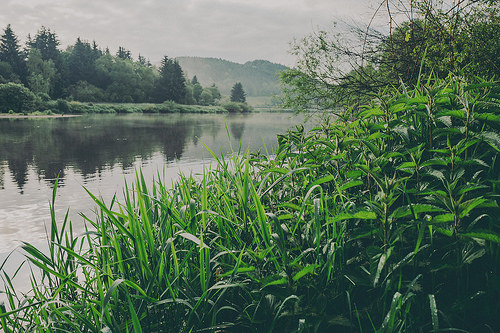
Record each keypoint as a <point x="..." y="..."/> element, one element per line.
<point x="63" y="106"/>
<point x="237" y="107"/>
<point x="16" y="97"/>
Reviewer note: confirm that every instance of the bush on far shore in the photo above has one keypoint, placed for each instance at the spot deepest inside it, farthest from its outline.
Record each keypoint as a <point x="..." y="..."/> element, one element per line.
<point x="237" y="107"/>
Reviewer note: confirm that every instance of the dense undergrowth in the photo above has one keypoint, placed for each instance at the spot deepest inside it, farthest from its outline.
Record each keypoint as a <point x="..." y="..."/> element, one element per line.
<point x="384" y="218"/>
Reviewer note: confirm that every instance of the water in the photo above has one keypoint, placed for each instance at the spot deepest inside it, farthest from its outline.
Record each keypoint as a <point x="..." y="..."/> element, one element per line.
<point x="100" y="152"/>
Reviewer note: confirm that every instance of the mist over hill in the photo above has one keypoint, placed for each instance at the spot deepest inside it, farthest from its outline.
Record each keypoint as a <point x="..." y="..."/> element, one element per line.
<point x="258" y="77"/>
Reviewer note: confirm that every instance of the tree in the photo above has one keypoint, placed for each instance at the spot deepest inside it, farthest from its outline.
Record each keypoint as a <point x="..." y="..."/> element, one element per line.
<point x="343" y="67"/>
<point x="41" y="73"/>
<point x="47" y="44"/>
<point x="171" y="84"/>
<point x="237" y="93"/>
<point x="82" y="62"/>
<point x="11" y="54"/>
<point x="124" y="53"/>
<point x="197" y="90"/>
<point x="206" y="97"/>
<point x="215" y="92"/>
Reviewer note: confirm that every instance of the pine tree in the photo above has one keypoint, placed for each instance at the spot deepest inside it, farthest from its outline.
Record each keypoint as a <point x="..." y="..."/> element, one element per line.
<point x="171" y="85"/>
<point x="11" y="54"/>
<point x="123" y="53"/>
<point x="46" y="42"/>
<point x="238" y="94"/>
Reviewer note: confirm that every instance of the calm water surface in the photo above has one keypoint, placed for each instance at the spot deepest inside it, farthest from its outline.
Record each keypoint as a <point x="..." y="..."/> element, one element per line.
<point x="99" y="152"/>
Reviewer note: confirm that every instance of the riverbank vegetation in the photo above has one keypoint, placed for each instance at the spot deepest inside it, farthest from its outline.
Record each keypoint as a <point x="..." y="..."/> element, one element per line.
<point x="382" y="218"/>
<point x="388" y="223"/>
<point x="41" y="77"/>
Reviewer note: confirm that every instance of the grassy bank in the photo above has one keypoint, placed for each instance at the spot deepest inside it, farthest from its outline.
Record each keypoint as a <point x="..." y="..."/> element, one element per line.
<point x="73" y="107"/>
<point x="383" y="218"/>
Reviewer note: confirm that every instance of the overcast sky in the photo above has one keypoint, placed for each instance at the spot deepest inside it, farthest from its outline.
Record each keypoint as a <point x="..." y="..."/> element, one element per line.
<point x="236" y="30"/>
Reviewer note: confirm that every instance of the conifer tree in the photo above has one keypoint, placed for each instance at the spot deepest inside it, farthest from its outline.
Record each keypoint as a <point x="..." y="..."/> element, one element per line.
<point x="11" y="54"/>
<point x="171" y="84"/>
<point x="238" y="94"/>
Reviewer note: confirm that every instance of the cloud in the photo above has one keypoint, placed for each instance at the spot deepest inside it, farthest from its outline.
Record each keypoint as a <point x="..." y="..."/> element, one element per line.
<point x="238" y="30"/>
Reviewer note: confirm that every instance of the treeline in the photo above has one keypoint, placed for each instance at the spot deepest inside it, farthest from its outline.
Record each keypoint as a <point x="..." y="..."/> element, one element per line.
<point x="88" y="73"/>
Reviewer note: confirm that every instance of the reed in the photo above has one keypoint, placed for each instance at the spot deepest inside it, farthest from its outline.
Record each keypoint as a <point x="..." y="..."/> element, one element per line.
<point x="383" y="218"/>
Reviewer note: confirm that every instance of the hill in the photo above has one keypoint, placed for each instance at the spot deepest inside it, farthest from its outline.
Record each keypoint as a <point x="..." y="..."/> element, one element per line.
<point x="258" y="77"/>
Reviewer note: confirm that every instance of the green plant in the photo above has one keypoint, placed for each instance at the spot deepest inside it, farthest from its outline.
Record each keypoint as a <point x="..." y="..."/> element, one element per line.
<point x="383" y="218"/>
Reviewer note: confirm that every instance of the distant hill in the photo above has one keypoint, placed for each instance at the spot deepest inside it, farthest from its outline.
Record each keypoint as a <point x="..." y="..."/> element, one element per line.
<point x="258" y="77"/>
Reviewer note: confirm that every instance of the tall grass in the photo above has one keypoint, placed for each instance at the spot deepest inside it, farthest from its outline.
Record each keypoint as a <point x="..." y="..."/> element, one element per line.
<point x="383" y="218"/>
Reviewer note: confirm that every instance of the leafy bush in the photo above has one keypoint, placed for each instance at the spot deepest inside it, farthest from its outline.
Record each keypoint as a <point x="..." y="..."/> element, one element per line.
<point x="16" y="97"/>
<point x="237" y="107"/>
<point x="63" y="106"/>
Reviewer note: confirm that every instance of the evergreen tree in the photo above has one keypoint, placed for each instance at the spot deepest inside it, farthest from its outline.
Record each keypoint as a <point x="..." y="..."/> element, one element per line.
<point x="82" y="63"/>
<point x="11" y="54"/>
<point x="238" y="94"/>
<point x="46" y="42"/>
<point x="171" y="84"/>
<point x="124" y="54"/>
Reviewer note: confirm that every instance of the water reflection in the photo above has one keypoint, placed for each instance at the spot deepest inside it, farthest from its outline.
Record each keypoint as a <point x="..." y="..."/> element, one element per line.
<point x="101" y="151"/>
<point x="90" y="144"/>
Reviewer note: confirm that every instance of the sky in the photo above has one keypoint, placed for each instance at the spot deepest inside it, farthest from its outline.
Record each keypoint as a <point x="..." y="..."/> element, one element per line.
<point x="235" y="30"/>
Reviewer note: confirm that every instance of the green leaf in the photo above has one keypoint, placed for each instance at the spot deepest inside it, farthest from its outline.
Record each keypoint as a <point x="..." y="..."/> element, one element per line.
<point x="304" y="271"/>
<point x="443" y="218"/>
<point x="276" y="282"/>
<point x="350" y="184"/>
<point x="483" y="235"/>
<point x="488" y="117"/>
<point x="322" y="180"/>
<point x="364" y="215"/>
<point x="372" y="113"/>
<point x="192" y="238"/>
<point x="492" y="138"/>
<point x="434" y="313"/>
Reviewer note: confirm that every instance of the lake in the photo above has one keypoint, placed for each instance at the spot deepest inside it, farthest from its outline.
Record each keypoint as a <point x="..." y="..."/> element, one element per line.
<point x="101" y="152"/>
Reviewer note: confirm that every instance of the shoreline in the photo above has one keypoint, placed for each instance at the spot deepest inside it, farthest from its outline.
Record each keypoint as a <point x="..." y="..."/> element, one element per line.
<point x="18" y="116"/>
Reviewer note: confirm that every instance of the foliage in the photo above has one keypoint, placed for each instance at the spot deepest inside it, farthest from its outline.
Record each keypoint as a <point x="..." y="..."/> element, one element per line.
<point x="350" y="63"/>
<point x="41" y="73"/>
<point x="382" y="219"/>
<point x="171" y="84"/>
<point x="237" y="107"/>
<point x="10" y="53"/>
<point x="16" y="97"/>
<point x="238" y="95"/>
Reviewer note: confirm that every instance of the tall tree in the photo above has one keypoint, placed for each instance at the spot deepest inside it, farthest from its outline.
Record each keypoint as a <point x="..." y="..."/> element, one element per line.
<point x="123" y="53"/>
<point x="171" y="84"/>
<point x="41" y="73"/>
<point x="82" y="63"/>
<point x="238" y="94"/>
<point x="47" y="43"/>
<point x="11" y="54"/>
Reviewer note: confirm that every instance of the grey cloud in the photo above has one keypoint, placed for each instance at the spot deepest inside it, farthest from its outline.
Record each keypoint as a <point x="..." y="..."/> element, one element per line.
<point x="231" y="29"/>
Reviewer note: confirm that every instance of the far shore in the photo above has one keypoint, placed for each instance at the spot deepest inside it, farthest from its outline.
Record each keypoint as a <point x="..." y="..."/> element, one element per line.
<point x="6" y="115"/>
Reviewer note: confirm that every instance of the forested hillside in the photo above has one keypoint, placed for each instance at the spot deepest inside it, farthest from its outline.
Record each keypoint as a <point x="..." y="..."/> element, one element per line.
<point x="258" y="77"/>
